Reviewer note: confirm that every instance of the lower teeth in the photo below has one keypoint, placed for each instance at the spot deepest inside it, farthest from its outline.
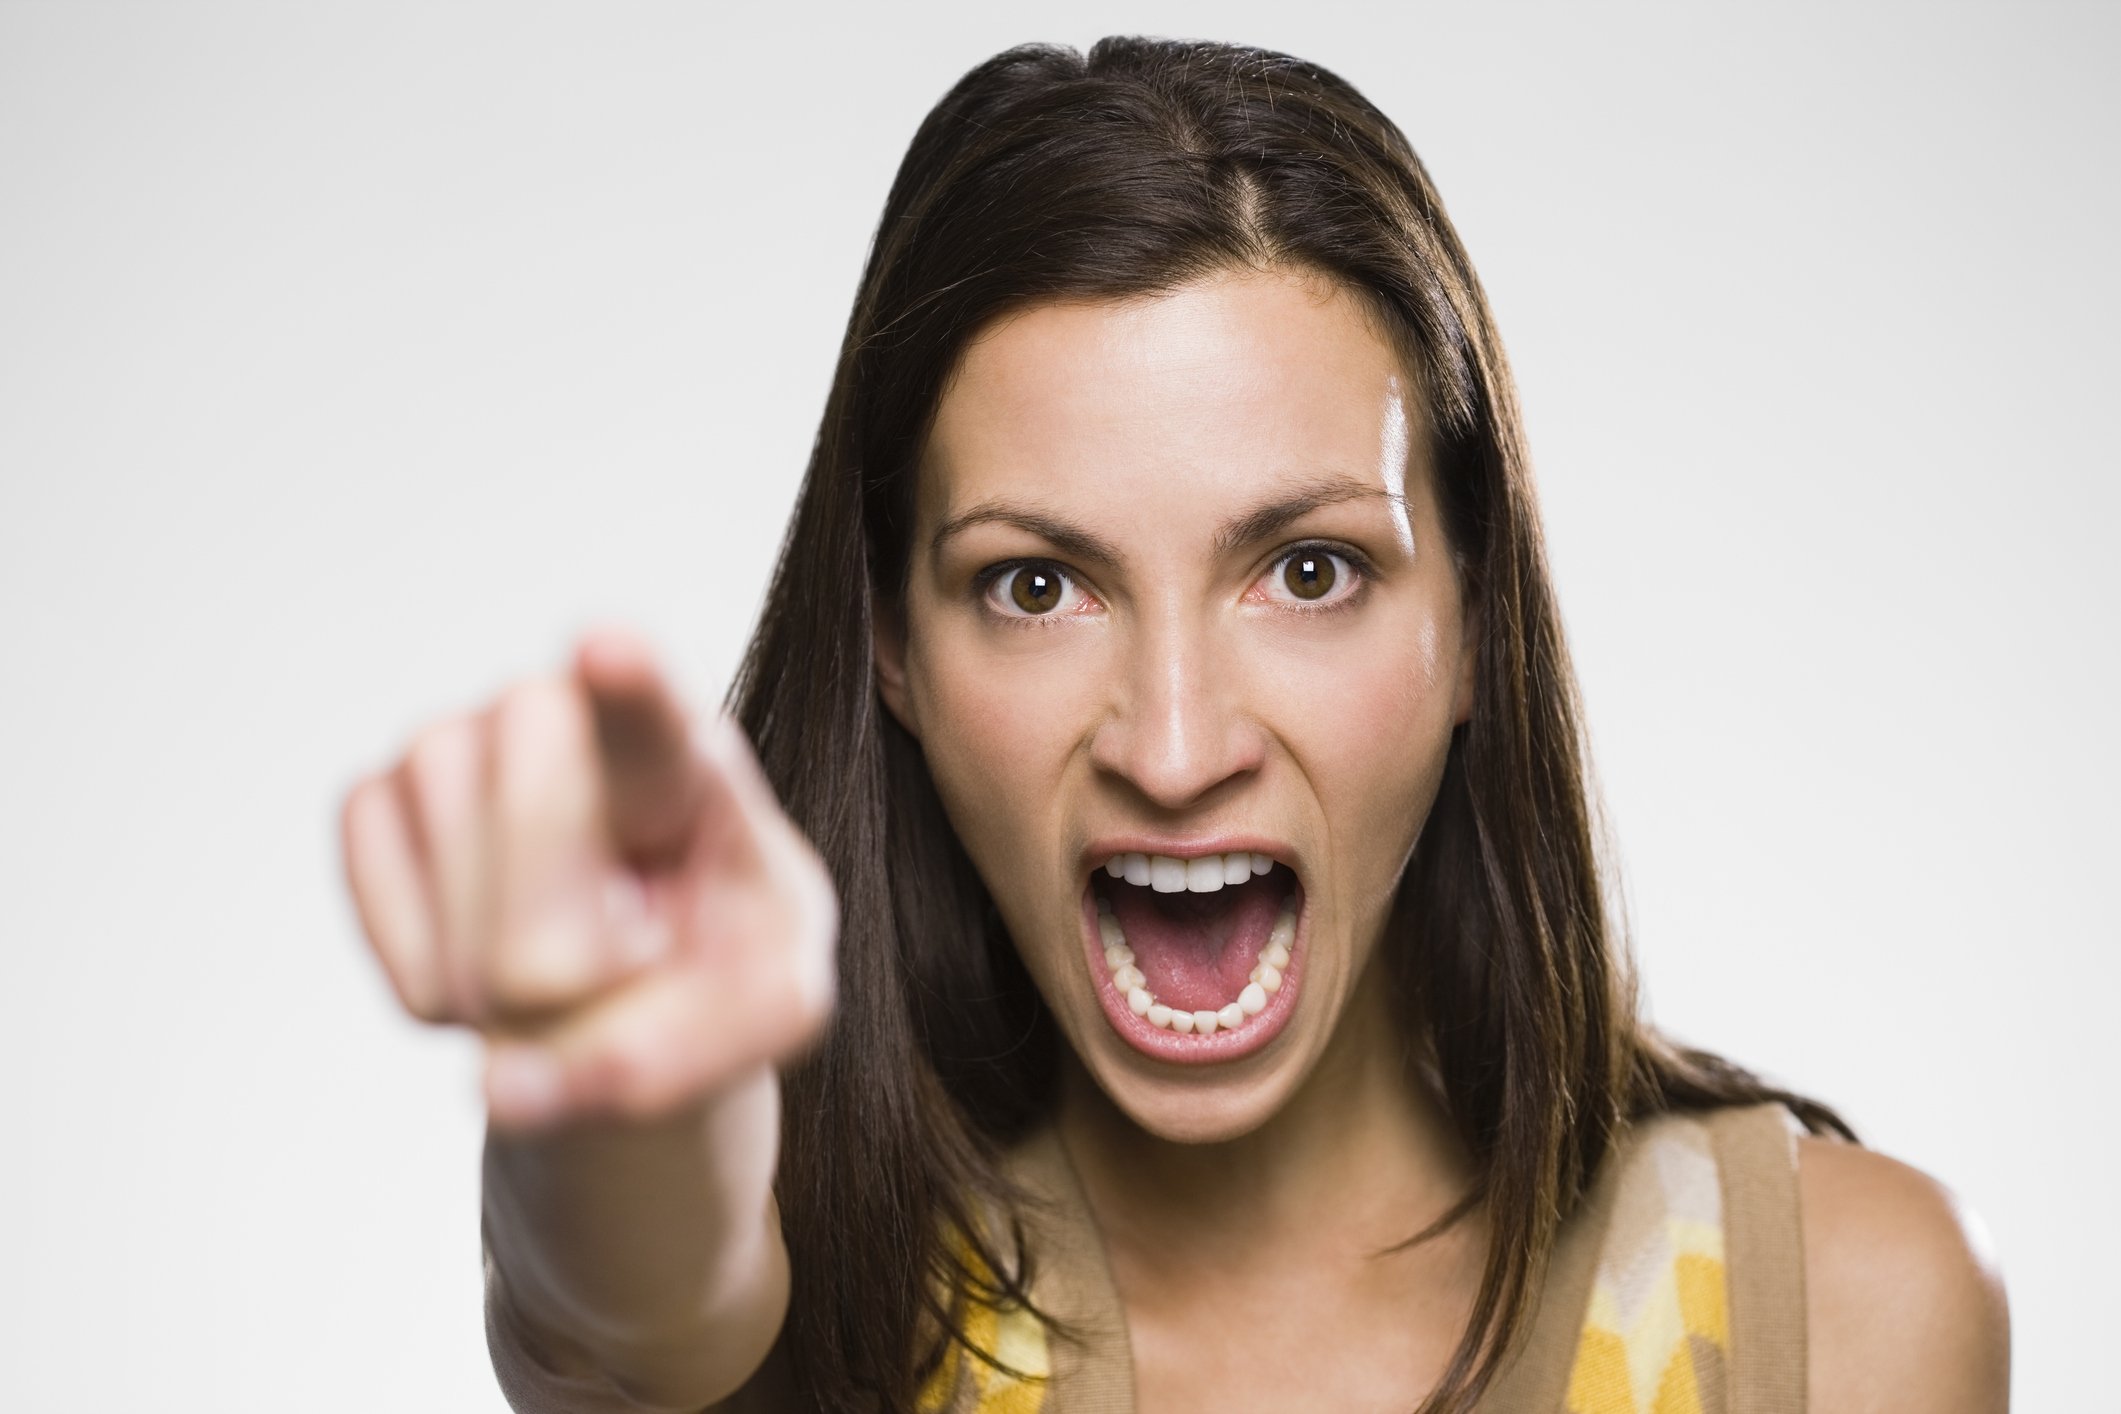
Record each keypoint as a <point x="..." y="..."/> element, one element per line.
<point x="1265" y="980"/>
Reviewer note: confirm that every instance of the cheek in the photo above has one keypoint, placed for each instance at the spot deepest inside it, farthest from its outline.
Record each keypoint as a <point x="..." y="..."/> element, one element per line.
<point x="1381" y="691"/>
<point x="1370" y="728"/>
<point x="1385" y="683"/>
<point x="998" y="725"/>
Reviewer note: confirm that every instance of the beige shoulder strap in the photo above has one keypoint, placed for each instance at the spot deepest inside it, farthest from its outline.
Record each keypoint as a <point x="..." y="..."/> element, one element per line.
<point x="1756" y="1158"/>
<point x="1755" y="1203"/>
<point x="1534" y="1379"/>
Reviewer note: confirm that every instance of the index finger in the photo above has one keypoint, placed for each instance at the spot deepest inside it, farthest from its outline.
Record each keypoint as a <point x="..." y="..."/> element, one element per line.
<point x="653" y="782"/>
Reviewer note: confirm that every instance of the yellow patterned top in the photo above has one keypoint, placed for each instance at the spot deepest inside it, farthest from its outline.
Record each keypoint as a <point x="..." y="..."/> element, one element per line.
<point x="1655" y="1336"/>
<point x="1017" y="1341"/>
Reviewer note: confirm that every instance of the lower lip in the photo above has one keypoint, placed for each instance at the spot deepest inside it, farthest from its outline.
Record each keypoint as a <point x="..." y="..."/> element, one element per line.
<point x="1193" y="1048"/>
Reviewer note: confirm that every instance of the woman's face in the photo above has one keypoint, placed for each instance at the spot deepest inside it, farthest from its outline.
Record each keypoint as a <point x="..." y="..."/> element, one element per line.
<point x="1180" y="604"/>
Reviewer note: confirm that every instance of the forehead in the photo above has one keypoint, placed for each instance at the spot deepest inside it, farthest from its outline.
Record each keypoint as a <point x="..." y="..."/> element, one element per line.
<point x="1219" y="390"/>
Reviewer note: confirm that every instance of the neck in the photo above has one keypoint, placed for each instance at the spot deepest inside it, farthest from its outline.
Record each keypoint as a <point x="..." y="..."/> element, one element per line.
<point x="1361" y="1156"/>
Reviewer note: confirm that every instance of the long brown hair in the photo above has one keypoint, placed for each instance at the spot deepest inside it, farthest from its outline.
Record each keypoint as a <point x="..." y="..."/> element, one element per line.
<point x="1043" y="174"/>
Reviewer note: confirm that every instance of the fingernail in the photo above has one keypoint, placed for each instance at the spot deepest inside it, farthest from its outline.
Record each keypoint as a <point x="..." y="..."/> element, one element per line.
<point x="523" y="1084"/>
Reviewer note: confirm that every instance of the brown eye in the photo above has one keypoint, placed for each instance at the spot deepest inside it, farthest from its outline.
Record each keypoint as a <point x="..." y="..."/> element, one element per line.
<point x="1035" y="590"/>
<point x="1309" y="574"/>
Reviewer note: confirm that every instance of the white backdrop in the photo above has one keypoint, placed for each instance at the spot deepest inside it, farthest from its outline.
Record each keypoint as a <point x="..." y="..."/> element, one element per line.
<point x="351" y="358"/>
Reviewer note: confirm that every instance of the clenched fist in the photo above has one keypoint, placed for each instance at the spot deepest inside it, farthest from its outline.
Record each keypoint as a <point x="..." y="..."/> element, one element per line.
<point x="613" y="898"/>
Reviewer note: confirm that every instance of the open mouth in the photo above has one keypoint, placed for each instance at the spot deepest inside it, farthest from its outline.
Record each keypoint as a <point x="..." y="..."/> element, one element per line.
<point x="1199" y="948"/>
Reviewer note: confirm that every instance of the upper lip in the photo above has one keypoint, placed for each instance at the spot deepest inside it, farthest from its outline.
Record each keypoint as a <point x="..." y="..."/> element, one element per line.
<point x="1104" y="847"/>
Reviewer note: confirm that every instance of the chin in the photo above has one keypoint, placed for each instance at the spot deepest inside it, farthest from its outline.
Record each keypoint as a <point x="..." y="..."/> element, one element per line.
<point x="1193" y="1109"/>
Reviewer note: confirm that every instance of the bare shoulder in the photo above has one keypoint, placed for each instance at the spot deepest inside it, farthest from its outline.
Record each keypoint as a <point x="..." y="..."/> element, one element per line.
<point x="1904" y="1301"/>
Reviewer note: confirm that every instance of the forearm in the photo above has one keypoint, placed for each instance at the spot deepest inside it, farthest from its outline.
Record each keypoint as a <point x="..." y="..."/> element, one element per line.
<point x="649" y="1255"/>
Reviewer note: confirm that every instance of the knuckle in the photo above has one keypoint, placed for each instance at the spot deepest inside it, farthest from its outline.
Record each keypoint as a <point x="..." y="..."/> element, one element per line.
<point x="812" y="972"/>
<point x="422" y="997"/>
<point x="814" y="999"/>
<point x="804" y="985"/>
<point x="509" y="988"/>
<point x="532" y="716"/>
<point x="365" y="806"/>
<point x="537" y="966"/>
<point x="809" y="885"/>
<point x="441" y="768"/>
<point x="360" y="800"/>
<point x="821" y="913"/>
<point x="404" y="950"/>
<point x="542" y="749"/>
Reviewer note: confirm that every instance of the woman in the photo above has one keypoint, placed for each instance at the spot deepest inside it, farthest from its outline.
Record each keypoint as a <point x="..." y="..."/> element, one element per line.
<point x="1157" y="957"/>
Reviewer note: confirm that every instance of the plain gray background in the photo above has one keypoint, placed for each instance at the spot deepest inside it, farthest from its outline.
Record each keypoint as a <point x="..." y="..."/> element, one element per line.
<point x="353" y="357"/>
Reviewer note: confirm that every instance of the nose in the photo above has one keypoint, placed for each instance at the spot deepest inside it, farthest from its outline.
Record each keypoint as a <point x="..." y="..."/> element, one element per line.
<point x="1178" y="728"/>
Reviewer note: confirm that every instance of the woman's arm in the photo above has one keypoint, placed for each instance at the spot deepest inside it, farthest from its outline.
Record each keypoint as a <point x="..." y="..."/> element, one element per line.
<point x="1904" y="1303"/>
<point x="632" y="1267"/>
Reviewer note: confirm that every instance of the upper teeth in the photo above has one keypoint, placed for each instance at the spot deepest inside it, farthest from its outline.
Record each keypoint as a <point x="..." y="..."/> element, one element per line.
<point x="1202" y="875"/>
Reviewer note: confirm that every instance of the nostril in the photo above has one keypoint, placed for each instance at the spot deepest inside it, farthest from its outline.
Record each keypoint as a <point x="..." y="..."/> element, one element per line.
<point x="1177" y="758"/>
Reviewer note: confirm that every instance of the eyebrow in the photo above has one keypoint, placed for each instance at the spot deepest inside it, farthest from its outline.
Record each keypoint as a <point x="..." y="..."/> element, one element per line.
<point x="1241" y="531"/>
<point x="1264" y="522"/>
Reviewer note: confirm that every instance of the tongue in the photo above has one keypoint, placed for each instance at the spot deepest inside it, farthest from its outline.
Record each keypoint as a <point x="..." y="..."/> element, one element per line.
<point x="1197" y="950"/>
